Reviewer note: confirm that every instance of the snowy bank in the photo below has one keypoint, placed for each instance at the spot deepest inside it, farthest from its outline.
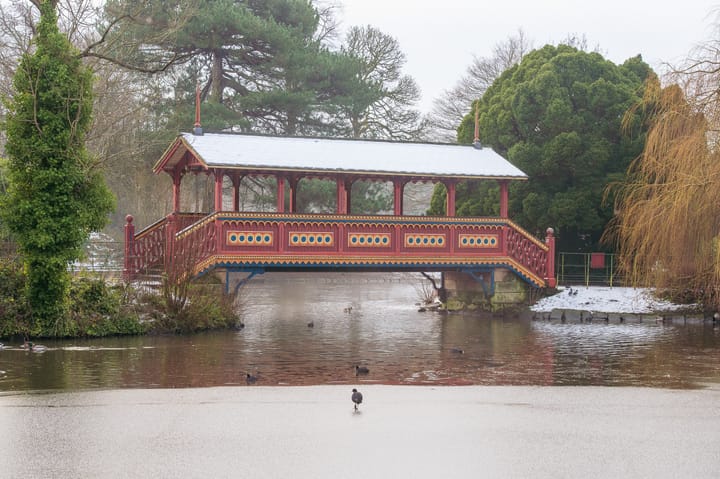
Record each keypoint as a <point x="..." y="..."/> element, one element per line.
<point x="606" y="300"/>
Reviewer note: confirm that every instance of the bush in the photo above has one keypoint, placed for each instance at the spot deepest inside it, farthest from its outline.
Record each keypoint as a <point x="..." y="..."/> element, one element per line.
<point x="99" y="309"/>
<point x="14" y="307"/>
<point x="202" y="307"/>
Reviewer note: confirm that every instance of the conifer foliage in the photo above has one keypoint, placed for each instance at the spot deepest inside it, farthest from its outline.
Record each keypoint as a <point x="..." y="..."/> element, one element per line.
<point x="56" y="194"/>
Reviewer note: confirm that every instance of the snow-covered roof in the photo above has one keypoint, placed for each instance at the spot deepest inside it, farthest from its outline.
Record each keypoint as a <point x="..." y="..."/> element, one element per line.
<point x="328" y="155"/>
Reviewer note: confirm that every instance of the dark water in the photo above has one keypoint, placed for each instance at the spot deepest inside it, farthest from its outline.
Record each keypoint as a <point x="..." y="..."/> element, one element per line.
<point x="385" y="332"/>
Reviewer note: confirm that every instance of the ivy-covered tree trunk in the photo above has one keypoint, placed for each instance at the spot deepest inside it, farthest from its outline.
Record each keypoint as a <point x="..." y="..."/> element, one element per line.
<point x="56" y="194"/>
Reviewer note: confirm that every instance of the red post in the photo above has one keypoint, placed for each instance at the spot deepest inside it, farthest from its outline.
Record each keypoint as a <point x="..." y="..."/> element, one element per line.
<point x="218" y="190"/>
<point x="177" y="178"/>
<point x="503" y="198"/>
<point x="280" y="208"/>
<point x="348" y="196"/>
<point x="293" y="194"/>
<point x="550" y="272"/>
<point x="129" y="270"/>
<point x="450" y="205"/>
<point x="170" y="230"/>
<point x="341" y="197"/>
<point x="398" y="187"/>
<point x="236" y="179"/>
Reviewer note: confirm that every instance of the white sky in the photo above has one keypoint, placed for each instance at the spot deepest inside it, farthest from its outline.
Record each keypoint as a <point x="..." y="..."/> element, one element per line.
<point x="440" y="37"/>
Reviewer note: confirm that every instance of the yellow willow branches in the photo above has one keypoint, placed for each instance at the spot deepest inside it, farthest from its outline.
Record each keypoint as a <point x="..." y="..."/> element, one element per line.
<point x="668" y="209"/>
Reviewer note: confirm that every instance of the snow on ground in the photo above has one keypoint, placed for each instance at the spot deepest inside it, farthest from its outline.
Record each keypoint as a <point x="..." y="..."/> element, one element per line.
<point x="606" y="300"/>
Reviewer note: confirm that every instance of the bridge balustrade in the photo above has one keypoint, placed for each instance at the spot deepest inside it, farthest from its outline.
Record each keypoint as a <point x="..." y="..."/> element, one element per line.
<point x="285" y="241"/>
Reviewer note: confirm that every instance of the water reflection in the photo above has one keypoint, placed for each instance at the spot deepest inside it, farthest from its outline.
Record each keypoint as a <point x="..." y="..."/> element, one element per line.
<point x="384" y="332"/>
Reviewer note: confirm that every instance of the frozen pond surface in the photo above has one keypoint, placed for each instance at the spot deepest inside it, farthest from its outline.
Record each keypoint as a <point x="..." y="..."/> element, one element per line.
<point x="400" y="432"/>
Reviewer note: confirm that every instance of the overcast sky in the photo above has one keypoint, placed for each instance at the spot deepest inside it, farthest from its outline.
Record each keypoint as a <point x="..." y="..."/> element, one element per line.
<point x="440" y="37"/>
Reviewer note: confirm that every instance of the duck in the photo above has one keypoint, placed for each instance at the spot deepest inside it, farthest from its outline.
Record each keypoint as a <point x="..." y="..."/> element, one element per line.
<point x="356" y="397"/>
<point x="457" y="350"/>
<point x="250" y="379"/>
<point x="311" y="324"/>
<point x="36" y="348"/>
<point x="348" y="309"/>
<point x="361" y="370"/>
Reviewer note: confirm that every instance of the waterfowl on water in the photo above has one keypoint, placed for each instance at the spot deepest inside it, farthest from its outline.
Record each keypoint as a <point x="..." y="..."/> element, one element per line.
<point x="356" y="398"/>
<point x="348" y="309"/>
<point x="457" y="350"/>
<point x="250" y="379"/>
<point x="311" y="324"/>
<point x="36" y="348"/>
<point x="361" y="370"/>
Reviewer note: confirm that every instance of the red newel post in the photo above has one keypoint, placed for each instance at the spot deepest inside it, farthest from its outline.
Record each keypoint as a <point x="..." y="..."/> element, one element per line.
<point x="170" y="230"/>
<point x="128" y="270"/>
<point x="550" y="272"/>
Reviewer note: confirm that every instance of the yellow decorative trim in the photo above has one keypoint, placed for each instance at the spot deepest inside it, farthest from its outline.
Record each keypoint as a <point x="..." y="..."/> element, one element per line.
<point x="312" y="238"/>
<point x="369" y="240"/>
<point x="477" y="241"/>
<point x="322" y="260"/>
<point x="415" y="240"/>
<point x="249" y="238"/>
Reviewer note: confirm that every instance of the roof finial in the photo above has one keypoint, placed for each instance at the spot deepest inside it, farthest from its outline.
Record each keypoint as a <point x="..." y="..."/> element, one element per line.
<point x="197" y="129"/>
<point x="476" y="140"/>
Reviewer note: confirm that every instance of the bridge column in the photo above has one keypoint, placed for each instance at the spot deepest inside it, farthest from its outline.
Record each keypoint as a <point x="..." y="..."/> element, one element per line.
<point x="219" y="174"/>
<point x="398" y="188"/>
<point x="293" y="194"/>
<point x="280" y="194"/>
<point x="450" y="204"/>
<point x="236" y="179"/>
<point x="348" y="196"/>
<point x="341" y="205"/>
<point x="177" y="179"/>
<point x="503" y="198"/>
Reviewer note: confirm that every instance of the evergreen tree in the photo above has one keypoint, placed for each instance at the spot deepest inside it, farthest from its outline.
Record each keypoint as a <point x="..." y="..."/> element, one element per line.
<point x="56" y="193"/>
<point x="557" y="116"/>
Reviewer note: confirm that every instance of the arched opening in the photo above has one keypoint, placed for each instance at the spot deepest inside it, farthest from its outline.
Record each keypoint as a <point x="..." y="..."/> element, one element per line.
<point x="370" y="197"/>
<point x="316" y="195"/>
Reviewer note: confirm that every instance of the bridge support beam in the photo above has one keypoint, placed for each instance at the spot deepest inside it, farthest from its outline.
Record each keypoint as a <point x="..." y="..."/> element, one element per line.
<point x="251" y="273"/>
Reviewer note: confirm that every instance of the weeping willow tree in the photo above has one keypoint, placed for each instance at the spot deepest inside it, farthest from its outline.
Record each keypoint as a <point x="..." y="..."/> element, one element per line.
<point x="668" y="210"/>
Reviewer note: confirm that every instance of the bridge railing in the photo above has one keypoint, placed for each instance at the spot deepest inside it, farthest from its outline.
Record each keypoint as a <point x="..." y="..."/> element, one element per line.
<point x="348" y="241"/>
<point x="147" y="249"/>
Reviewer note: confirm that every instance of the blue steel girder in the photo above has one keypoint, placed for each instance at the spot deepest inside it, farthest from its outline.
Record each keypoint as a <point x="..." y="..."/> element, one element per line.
<point x="478" y="274"/>
<point x="254" y="271"/>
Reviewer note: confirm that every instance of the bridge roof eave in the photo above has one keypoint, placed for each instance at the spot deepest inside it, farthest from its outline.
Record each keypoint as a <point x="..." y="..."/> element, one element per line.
<point x="326" y="157"/>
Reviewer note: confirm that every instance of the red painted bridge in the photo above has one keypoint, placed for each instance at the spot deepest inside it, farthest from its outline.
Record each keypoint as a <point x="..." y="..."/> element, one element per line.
<point x="231" y="240"/>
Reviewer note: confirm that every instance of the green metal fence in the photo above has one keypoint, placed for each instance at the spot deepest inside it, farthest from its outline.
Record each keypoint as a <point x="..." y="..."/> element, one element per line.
<point x="587" y="269"/>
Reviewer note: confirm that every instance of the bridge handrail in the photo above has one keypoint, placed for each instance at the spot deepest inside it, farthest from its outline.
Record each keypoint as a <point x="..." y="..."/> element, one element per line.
<point x="194" y="237"/>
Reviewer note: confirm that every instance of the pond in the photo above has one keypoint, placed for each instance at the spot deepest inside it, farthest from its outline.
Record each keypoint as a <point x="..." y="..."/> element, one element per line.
<point x="312" y="329"/>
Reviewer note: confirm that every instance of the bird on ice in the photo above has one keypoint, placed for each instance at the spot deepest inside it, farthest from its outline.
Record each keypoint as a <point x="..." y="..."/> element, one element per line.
<point x="356" y="397"/>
